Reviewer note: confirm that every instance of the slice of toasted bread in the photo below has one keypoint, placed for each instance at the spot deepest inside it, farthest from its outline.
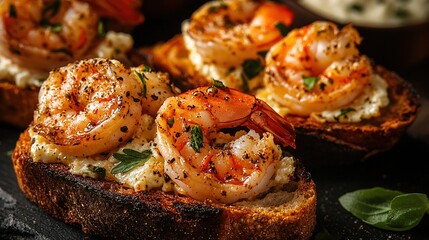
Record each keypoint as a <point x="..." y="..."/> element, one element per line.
<point x="108" y="209"/>
<point x="346" y="142"/>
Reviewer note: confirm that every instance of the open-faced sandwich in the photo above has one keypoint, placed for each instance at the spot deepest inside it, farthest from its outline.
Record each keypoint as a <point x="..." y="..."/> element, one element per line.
<point x="211" y="163"/>
<point x="38" y="36"/>
<point x="340" y="102"/>
<point x="225" y="41"/>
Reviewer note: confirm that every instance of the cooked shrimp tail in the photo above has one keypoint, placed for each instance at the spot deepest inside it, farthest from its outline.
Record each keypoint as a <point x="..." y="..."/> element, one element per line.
<point x="207" y="162"/>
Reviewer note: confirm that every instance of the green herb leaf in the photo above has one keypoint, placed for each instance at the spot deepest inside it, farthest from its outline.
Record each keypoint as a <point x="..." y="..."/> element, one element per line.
<point x="386" y="209"/>
<point x="56" y="27"/>
<point x="130" y="159"/>
<point x="12" y="11"/>
<point x="101" y="172"/>
<point x="344" y="112"/>
<point x="218" y="84"/>
<point x="283" y="29"/>
<point x="170" y="122"/>
<point x="402" y="13"/>
<point x="101" y="30"/>
<point x="310" y="82"/>
<point x="356" y="7"/>
<point x="142" y="79"/>
<point x="252" y="68"/>
<point x="196" y="138"/>
<point x="147" y="69"/>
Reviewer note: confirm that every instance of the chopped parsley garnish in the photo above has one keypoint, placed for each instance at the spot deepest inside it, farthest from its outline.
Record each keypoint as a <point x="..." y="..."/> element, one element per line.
<point x="147" y="69"/>
<point x="283" y="29"/>
<point x="101" y="172"/>
<point x="310" y="82"/>
<point x="252" y="67"/>
<point x="56" y="27"/>
<point x="355" y="7"/>
<point x="142" y="79"/>
<point x="196" y="138"/>
<point x="12" y="11"/>
<point x="130" y="159"/>
<point x="101" y="30"/>
<point x="344" y="112"/>
<point x="402" y="13"/>
<point x="170" y="122"/>
<point x="218" y="84"/>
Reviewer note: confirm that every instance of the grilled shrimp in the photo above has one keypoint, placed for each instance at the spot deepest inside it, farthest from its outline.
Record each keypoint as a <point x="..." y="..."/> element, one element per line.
<point x="156" y="88"/>
<point x="124" y="11"/>
<point x="228" y="32"/>
<point x="44" y="34"/>
<point x="208" y="164"/>
<point x="317" y="68"/>
<point x="89" y="107"/>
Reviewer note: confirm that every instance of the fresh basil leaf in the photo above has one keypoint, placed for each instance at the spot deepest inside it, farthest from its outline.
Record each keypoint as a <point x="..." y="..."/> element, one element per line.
<point x="310" y="82"/>
<point x="283" y="29"/>
<point x="196" y="138"/>
<point x="218" y="84"/>
<point x="142" y="79"/>
<point x="386" y="209"/>
<point x="130" y="159"/>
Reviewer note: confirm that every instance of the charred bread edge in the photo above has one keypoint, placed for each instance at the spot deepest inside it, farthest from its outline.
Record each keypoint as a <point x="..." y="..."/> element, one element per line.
<point x="109" y="210"/>
<point x="348" y="142"/>
<point x="17" y="104"/>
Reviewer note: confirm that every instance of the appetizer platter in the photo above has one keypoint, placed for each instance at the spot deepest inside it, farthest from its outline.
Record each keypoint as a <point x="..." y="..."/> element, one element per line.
<point x="226" y="120"/>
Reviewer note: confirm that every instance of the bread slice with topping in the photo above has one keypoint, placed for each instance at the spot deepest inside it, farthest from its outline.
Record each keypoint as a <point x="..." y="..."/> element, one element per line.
<point x="110" y="210"/>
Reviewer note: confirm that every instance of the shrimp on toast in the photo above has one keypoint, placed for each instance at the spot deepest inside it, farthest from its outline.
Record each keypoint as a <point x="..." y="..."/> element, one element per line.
<point x="89" y="107"/>
<point x="224" y="36"/>
<point x="45" y="34"/>
<point x="207" y="164"/>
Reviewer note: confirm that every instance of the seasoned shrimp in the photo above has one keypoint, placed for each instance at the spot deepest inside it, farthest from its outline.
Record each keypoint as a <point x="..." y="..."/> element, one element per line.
<point x="124" y="11"/>
<point x="156" y="88"/>
<point x="227" y="33"/>
<point x="44" y="34"/>
<point x="317" y="68"/>
<point x="207" y="164"/>
<point x="89" y="107"/>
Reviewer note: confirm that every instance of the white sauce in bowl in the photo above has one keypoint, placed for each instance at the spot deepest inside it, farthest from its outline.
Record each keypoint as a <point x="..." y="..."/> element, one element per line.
<point x="371" y="13"/>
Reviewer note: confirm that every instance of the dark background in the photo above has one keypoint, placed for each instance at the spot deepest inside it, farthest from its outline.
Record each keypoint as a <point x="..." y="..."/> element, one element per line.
<point x="405" y="167"/>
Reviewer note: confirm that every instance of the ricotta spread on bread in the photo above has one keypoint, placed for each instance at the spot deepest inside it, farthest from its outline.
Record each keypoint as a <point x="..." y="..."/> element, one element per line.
<point x="368" y="105"/>
<point x="114" y="45"/>
<point x="145" y="177"/>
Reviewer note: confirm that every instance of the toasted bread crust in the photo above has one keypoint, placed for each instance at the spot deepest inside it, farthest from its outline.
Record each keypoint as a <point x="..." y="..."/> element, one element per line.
<point x="17" y="104"/>
<point x="109" y="210"/>
<point x="335" y="142"/>
<point x="362" y="139"/>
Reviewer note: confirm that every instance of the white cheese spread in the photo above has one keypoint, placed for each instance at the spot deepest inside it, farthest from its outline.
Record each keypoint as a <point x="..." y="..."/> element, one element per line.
<point x="368" y="105"/>
<point x="115" y="45"/>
